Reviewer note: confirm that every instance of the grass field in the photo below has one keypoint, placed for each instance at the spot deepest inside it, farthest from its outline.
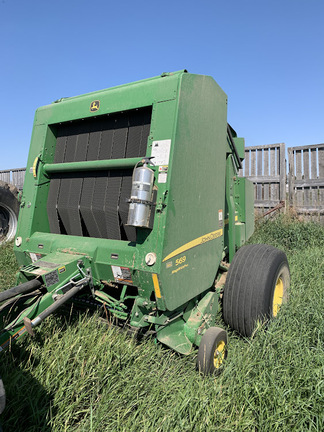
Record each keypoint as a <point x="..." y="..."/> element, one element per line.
<point x="76" y="375"/>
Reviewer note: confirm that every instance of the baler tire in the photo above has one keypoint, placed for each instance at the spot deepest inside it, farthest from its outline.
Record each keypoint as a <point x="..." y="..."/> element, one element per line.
<point x="9" y="210"/>
<point x="212" y="351"/>
<point x="256" y="285"/>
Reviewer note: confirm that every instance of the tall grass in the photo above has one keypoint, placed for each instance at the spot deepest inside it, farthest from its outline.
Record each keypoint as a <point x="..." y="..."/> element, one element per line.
<point x="77" y="375"/>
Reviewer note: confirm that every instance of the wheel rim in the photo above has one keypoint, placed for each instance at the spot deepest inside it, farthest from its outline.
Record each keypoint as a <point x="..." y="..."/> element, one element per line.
<point x="8" y="223"/>
<point x="219" y="354"/>
<point x="277" y="296"/>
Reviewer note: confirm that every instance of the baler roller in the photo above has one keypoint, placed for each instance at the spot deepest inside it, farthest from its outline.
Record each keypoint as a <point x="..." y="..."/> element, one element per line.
<point x="97" y="165"/>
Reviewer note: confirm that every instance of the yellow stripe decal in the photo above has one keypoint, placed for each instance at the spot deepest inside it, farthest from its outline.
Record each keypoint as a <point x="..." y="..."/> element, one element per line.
<point x="198" y="241"/>
<point x="35" y="167"/>
<point x="156" y="285"/>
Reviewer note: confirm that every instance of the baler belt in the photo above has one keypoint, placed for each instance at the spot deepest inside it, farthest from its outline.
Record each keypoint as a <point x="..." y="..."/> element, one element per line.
<point x="95" y="204"/>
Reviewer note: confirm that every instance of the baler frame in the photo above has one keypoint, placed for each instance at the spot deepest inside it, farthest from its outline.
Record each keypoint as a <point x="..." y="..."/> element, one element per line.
<point x="167" y="277"/>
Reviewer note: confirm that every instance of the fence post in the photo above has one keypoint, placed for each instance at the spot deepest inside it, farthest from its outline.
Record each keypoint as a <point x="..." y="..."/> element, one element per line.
<point x="291" y="175"/>
<point x="282" y="171"/>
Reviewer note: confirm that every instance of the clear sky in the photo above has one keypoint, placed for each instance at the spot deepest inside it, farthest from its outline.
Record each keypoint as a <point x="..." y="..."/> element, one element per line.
<point x="267" y="55"/>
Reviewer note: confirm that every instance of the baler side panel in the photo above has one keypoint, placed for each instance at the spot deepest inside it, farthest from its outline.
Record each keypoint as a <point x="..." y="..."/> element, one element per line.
<point x="193" y="231"/>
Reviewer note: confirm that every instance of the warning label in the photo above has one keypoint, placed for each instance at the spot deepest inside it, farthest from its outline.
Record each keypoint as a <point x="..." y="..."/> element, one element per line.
<point x="122" y="274"/>
<point x="161" y="152"/>
<point x="35" y="256"/>
<point x="220" y="218"/>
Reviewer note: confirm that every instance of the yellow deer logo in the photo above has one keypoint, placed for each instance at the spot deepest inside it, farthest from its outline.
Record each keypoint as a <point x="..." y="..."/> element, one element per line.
<point x="94" y="106"/>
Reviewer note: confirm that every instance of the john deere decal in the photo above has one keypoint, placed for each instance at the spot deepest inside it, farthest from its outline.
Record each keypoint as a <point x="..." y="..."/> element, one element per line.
<point x="94" y="106"/>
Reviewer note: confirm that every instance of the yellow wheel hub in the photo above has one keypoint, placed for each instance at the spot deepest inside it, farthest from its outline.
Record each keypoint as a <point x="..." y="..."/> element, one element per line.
<point x="277" y="297"/>
<point x="219" y="354"/>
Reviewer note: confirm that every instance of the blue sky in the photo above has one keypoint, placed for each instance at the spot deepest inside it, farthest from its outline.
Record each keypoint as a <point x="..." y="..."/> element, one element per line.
<point x="267" y="55"/>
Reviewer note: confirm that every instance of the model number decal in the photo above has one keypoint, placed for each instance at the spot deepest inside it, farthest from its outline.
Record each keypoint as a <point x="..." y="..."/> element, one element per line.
<point x="196" y="242"/>
<point x="181" y="260"/>
<point x="179" y="268"/>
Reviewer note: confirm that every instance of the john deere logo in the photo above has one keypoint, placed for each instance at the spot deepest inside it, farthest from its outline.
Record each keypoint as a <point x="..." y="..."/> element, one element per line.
<point x="94" y="106"/>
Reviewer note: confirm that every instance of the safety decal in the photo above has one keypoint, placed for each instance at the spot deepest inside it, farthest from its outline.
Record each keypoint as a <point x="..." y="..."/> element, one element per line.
<point x="35" y="256"/>
<point x="161" y="152"/>
<point x="13" y="337"/>
<point x="162" y="177"/>
<point x="163" y="173"/>
<point x="122" y="274"/>
<point x="220" y="218"/>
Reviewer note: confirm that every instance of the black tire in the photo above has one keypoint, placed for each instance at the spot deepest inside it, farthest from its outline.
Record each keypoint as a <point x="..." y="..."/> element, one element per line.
<point x="9" y="210"/>
<point x="212" y="351"/>
<point x="257" y="283"/>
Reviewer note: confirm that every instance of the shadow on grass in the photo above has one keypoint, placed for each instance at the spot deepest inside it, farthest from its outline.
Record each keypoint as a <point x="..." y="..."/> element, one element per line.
<point x="28" y="403"/>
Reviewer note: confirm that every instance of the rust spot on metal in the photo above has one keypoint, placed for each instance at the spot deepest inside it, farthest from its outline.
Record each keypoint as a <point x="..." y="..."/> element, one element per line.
<point x="72" y="252"/>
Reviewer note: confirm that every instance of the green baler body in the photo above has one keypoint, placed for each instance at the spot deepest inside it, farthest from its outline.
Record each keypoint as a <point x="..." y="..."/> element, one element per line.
<point x="202" y="210"/>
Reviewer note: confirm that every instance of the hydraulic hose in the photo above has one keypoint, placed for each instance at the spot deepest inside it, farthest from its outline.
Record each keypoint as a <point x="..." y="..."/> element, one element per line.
<point x="20" y="289"/>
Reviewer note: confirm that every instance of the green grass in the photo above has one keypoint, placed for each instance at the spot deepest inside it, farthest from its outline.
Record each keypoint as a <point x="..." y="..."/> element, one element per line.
<point x="76" y="375"/>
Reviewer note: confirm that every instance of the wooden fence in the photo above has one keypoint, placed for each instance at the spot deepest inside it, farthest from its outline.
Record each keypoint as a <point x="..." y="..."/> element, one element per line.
<point x="14" y="176"/>
<point x="302" y="189"/>
<point x="306" y="180"/>
<point x="265" y="166"/>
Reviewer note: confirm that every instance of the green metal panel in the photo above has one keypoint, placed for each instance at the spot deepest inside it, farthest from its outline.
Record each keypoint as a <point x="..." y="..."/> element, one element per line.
<point x="244" y="203"/>
<point x="193" y="240"/>
<point x="249" y="208"/>
<point x="139" y="94"/>
<point x="240" y="146"/>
